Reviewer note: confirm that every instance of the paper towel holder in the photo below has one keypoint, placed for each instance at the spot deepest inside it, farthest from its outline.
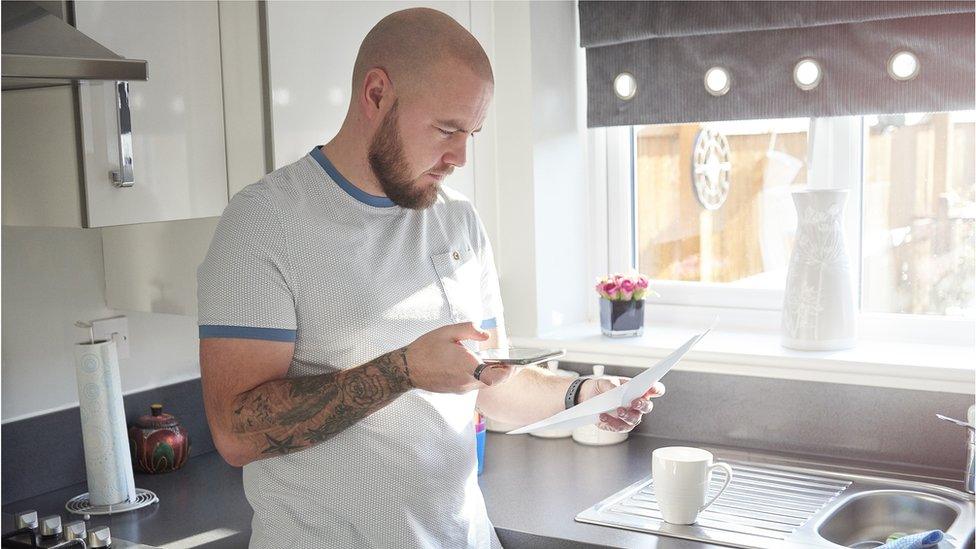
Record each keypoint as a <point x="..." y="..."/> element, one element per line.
<point x="87" y="326"/>
<point x="137" y="497"/>
<point x="81" y="505"/>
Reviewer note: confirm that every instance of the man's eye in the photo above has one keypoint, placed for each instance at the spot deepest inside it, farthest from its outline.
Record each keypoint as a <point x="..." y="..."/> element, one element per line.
<point x="445" y="132"/>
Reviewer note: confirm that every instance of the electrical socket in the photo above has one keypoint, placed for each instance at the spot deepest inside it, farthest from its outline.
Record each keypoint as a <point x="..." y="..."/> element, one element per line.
<point x="116" y="328"/>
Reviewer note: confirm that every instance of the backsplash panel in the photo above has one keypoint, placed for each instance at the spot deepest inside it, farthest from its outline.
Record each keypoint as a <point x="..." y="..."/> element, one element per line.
<point x="53" y="277"/>
<point x="868" y="424"/>
<point x="45" y="453"/>
<point x="872" y="424"/>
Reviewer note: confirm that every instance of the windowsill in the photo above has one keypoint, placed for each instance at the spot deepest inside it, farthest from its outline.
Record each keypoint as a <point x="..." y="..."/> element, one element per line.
<point x="901" y="365"/>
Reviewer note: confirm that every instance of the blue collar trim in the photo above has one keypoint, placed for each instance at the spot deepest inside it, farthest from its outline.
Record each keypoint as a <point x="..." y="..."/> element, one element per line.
<point x="351" y="190"/>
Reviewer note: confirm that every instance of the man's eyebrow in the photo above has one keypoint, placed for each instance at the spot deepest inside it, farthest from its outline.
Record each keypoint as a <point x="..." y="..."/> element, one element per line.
<point x="456" y="124"/>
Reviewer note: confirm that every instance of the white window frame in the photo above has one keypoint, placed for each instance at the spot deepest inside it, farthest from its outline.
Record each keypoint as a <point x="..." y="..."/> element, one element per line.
<point x="839" y="157"/>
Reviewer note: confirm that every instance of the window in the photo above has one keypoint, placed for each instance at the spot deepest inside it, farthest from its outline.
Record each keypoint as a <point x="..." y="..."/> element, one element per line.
<point x="713" y="200"/>
<point x="712" y="219"/>
<point x="920" y="214"/>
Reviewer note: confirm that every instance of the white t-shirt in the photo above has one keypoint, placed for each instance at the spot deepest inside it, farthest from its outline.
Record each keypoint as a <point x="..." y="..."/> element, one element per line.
<point x="305" y="256"/>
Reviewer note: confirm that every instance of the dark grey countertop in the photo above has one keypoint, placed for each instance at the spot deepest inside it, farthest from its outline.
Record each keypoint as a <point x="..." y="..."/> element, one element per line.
<point x="205" y="499"/>
<point x="533" y="489"/>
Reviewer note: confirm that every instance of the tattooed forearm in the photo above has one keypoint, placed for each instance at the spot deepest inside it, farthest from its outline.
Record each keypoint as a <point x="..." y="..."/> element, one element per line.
<point x="287" y="415"/>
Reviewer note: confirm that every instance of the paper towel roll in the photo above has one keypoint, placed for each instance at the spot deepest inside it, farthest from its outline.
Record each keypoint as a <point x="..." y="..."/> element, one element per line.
<point x="103" y="429"/>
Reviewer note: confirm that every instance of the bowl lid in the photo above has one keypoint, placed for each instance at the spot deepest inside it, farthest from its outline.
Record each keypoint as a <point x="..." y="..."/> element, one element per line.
<point x="157" y="419"/>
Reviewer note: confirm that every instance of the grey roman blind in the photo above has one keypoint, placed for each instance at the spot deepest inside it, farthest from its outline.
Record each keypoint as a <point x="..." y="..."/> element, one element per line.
<point x="668" y="47"/>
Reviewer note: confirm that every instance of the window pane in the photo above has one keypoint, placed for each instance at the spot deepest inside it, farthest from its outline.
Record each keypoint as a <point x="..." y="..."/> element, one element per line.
<point x="737" y="225"/>
<point x="919" y="214"/>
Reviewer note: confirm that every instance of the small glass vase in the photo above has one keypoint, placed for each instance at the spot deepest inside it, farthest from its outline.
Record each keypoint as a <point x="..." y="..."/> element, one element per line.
<point x="622" y="318"/>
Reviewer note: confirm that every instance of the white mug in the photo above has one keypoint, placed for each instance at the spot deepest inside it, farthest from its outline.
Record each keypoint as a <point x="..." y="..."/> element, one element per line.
<point x="681" y="478"/>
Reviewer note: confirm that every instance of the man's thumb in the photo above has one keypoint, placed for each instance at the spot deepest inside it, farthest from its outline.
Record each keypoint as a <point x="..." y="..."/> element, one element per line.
<point x="603" y="385"/>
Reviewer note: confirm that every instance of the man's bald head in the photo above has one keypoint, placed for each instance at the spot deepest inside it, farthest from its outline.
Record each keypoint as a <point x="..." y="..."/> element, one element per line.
<point x="410" y="44"/>
<point x="422" y="87"/>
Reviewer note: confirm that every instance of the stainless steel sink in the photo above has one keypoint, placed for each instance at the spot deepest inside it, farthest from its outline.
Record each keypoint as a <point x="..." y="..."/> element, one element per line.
<point x="866" y="519"/>
<point x="770" y="507"/>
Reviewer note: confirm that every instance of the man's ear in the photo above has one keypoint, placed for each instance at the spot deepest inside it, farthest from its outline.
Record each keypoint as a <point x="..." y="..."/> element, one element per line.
<point x="376" y="93"/>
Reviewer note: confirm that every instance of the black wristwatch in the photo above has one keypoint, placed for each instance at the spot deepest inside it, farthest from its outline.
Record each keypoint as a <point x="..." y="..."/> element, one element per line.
<point x="572" y="393"/>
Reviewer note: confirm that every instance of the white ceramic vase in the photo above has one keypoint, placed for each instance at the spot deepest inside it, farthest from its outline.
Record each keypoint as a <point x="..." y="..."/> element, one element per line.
<point x="818" y="307"/>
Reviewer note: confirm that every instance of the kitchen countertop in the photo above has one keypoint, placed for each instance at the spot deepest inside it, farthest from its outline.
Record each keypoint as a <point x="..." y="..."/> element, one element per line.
<point x="535" y="487"/>
<point x="533" y="490"/>
<point x="203" y="500"/>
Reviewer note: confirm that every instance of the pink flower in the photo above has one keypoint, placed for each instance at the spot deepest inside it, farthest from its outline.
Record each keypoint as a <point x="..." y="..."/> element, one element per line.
<point x="627" y="288"/>
<point x="619" y="287"/>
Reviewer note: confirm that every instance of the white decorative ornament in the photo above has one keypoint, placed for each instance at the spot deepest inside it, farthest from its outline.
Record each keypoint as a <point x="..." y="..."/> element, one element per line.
<point x="711" y="168"/>
<point x="818" y="305"/>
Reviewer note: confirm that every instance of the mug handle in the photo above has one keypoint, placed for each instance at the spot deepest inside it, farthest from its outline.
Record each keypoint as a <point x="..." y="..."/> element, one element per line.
<point x="728" y="479"/>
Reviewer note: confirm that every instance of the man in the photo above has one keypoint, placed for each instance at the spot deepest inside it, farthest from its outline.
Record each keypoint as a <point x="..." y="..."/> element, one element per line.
<point x="337" y="302"/>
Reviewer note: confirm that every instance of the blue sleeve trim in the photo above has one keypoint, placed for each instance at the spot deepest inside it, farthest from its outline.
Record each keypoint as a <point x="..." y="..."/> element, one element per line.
<point x="247" y="332"/>
<point x="489" y="323"/>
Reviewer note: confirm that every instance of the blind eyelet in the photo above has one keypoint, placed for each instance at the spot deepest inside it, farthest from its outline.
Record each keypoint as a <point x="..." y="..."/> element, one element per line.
<point x="718" y="81"/>
<point x="807" y="73"/>
<point x="903" y="65"/>
<point x="625" y="86"/>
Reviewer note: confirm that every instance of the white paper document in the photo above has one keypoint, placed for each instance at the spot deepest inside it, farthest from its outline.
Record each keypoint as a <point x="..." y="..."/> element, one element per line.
<point x="588" y="412"/>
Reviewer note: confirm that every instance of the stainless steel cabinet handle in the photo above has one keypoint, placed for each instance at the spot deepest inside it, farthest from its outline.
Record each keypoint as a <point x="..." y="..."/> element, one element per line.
<point x="124" y="177"/>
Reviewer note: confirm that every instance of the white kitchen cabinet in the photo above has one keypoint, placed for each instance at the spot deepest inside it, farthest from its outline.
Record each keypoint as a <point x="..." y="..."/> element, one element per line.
<point x="151" y="267"/>
<point x="199" y="123"/>
<point x="312" y="47"/>
<point x="245" y="99"/>
<point x="179" y="157"/>
<point x="40" y="164"/>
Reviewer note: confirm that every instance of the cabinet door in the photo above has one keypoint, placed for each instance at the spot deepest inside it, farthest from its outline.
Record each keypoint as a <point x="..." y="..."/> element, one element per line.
<point x="312" y="47"/>
<point x="40" y="164"/>
<point x="179" y="159"/>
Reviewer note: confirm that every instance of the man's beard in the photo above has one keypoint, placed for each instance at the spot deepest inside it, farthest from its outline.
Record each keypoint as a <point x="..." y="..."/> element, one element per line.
<point x="390" y="167"/>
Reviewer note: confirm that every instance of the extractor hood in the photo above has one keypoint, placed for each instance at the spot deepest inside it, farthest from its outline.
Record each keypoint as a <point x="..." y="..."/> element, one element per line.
<point x="40" y="49"/>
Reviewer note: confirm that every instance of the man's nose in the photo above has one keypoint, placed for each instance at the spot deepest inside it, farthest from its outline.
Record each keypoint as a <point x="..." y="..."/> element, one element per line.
<point x="457" y="155"/>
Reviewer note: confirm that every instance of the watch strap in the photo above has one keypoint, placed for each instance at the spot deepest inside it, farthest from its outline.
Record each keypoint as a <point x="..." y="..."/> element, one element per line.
<point x="572" y="393"/>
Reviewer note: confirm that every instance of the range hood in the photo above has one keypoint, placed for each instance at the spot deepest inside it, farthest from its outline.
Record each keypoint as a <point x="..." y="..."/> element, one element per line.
<point x="40" y="49"/>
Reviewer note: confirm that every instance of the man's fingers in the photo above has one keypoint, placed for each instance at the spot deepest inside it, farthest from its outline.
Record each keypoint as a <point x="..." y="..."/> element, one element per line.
<point x="629" y="415"/>
<point x="642" y="405"/>
<point x="613" y="424"/>
<point x="466" y="330"/>
<point x="655" y="391"/>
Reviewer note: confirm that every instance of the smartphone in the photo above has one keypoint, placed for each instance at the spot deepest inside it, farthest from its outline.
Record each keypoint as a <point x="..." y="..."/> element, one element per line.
<point x="519" y="356"/>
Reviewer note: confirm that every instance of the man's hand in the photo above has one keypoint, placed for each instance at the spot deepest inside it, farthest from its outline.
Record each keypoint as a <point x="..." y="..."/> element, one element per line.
<point x="621" y="420"/>
<point x="438" y="362"/>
